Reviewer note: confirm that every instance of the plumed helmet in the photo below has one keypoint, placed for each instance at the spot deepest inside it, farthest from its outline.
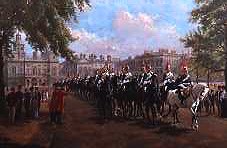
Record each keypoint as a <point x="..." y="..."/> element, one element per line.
<point x="148" y="67"/>
<point x="168" y="66"/>
<point x="185" y="69"/>
<point x="126" y="67"/>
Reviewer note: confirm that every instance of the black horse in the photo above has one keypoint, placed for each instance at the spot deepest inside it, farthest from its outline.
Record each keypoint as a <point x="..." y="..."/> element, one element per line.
<point x="152" y="99"/>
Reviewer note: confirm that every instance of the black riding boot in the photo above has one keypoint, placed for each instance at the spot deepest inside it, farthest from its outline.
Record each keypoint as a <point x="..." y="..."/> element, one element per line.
<point x="180" y="96"/>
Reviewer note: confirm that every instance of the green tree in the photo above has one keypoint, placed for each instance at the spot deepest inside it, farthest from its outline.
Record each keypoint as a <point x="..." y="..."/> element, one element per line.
<point x="208" y="41"/>
<point x="43" y="21"/>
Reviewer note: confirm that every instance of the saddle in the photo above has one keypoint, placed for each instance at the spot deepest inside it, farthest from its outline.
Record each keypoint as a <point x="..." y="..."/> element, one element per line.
<point x="183" y="94"/>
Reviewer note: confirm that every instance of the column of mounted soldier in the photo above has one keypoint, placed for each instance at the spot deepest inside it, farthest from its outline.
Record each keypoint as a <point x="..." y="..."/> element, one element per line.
<point x="129" y="96"/>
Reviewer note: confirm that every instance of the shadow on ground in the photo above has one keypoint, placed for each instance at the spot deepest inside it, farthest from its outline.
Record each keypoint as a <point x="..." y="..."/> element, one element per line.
<point x="8" y="143"/>
<point x="173" y="130"/>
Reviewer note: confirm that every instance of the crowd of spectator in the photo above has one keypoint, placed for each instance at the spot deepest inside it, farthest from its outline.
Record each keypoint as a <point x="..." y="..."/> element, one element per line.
<point x="214" y="103"/>
<point x="24" y="102"/>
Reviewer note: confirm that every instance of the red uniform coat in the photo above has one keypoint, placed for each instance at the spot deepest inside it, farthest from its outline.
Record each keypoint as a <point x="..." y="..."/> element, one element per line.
<point x="57" y="101"/>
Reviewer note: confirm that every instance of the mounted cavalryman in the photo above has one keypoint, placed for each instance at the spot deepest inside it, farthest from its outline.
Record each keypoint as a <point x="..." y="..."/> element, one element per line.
<point x="183" y="82"/>
<point x="168" y="78"/>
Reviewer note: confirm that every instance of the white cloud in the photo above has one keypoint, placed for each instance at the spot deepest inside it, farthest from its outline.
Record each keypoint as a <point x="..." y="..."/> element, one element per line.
<point x="140" y="26"/>
<point x="90" y="43"/>
<point x="132" y="35"/>
<point x="139" y="32"/>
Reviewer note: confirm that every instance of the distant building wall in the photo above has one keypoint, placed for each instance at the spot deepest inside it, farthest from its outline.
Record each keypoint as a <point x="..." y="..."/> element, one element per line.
<point x="40" y="69"/>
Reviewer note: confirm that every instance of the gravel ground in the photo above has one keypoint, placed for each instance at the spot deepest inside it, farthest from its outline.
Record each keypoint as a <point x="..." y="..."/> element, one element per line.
<point x="83" y="129"/>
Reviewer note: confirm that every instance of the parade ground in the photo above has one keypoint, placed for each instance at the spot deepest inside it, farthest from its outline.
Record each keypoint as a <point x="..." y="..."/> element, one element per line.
<point x="83" y="129"/>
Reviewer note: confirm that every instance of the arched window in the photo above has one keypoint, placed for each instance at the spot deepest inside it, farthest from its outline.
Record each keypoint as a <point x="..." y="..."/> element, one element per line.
<point x="34" y="81"/>
<point x="40" y="82"/>
<point x="34" y="71"/>
<point x="20" y="71"/>
<point x="39" y="72"/>
<point x="27" y="72"/>
<point x="85" y="71"/>
<point x="28" y="83"/>
<point x="44" y="82"/>
<point x="80" y="70"/>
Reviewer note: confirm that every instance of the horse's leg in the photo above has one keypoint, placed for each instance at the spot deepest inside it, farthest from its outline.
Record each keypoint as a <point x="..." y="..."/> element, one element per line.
<point x="131" y="108"/>
<point x="113" y="106"/>
<point x="194" y="110"/>
<point x="153" y="114"/>
<point x="196" y="125"/>
<point x="158" y="105"/>
<point x="135" y="108"/>
<point x="117" y="107"/>
<point x="126" y="108"/>
<point x="105" y="109"/>
<point x="122" y="106"/>
<point x="170" y="110"/>
<point x="177" y="118"/>
<point x="174" y="114"/>
<point x="99" y="106"/>
<point x="147" y="110"/>
<point x="162" y="107"/>
<point x="193" y="121"/>
<point x="109" y="107"/>
<point x="141" y="109"/>
<point x="163" y="103"/>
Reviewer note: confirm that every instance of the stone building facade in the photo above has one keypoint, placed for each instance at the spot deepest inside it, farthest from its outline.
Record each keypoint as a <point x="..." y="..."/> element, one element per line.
<point x="157" y="60"/>
<point x="87" y="64"/>
<point x="40" y="69"/>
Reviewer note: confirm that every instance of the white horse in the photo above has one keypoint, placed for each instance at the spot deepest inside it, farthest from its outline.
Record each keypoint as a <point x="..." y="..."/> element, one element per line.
<point x="195" y="94"/>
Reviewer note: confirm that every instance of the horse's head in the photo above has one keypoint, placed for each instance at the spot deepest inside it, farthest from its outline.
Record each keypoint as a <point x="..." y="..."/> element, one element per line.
<point x="200" y="90"/>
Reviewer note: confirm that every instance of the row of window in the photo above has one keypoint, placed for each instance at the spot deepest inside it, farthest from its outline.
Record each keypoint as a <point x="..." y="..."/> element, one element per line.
<point x="34" y="71"/>
<point x="36" y="82"/>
